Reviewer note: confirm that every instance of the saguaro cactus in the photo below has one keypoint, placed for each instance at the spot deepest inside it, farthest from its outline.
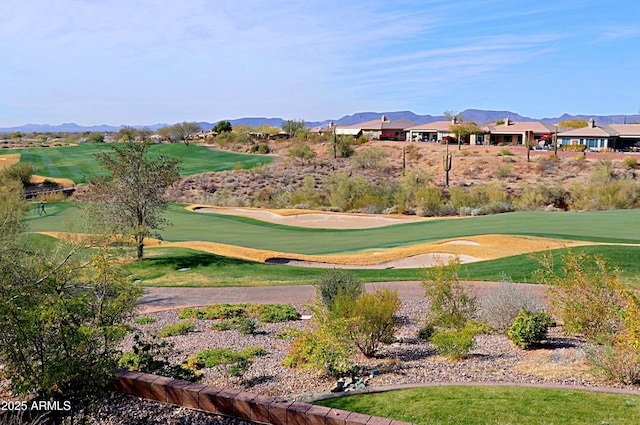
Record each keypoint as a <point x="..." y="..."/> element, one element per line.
<point x="446" y="164"/>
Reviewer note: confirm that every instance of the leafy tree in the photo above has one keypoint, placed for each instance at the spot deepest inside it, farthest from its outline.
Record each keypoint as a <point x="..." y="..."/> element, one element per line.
<point x="126" y="133"/>
<point x="184" y="130"/>
<point x="63" y="314"/>
<point x="292" y="126"/>
<point x="222" y="127"/>
<point x="464" y="129"/>
<point x="573" y="123"/>
<point x="95" y="138"/>
<point x="131" y="199"/>
<point x="302" y="152"/>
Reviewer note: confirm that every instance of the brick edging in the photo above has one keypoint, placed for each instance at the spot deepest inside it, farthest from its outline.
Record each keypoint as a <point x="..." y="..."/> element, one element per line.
<point x="238" y="404"/>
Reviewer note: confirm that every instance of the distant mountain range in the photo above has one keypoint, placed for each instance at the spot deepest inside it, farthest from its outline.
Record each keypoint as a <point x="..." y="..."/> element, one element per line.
<point x="478" y="115"/>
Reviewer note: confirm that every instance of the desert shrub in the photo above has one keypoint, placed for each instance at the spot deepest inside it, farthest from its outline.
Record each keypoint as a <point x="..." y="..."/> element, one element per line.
<point x="630" y="162"/>
<point x="505" y="152"/>
<point x="429" y="202"/>
<point x="535" y="198"/>
<point x="374" y="158"/>
<point x="426" y="331"/>
<point x="301" y="152"/>
<point x="223" y="325"/>
<point x="261" y="148"/>
<point x="275" y="313"/>
<point x="500" y="308"/>
<point x="451" y="305"/>
<point x="371" y="318"/>
<point x="324" y="345"/>
<point x="151" y="356"/>
<point x="615" y="363"/>
<point x="214" y="311"/>
<point x="234" y="363"/>
<point x="529" y="329"/>
<point x="145" y="320"/>
<point x="344" y="192"/>
<point x="455" y="344"/>
<point x="181" y="328"/>
<point x="605" y="191"/>
<point x="246" y="325"/>
<point x="337" y="282"/>
<point x="362" y="140"/>
<point x="585" y="295"/>
<point x="573" y="148"/>
<point x="307" y="194"/>
<point x="343" y="146"/>
<point x="269" y="313"/>
<point x="21" y="171"/>
<point x="502" y="170"/>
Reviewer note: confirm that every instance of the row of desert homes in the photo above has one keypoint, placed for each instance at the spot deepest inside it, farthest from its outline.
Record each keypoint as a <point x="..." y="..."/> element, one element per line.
<point x="595" y="137"/>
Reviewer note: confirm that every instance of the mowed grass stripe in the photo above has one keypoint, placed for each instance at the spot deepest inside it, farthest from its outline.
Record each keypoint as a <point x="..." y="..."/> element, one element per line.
<point x="602" y="226"/>
<point x="78" y="162"/>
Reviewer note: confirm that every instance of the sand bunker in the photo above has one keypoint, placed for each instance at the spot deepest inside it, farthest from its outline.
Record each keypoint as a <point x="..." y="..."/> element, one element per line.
<point x="312" y="219"/>
<point x="413" y="262"/>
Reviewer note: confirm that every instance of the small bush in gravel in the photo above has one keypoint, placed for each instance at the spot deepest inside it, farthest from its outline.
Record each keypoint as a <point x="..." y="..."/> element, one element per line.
<point x="620" y="364"/>
<point x="455" y="344"/>
<point x="236" y="362"/>
<point x="336" y="282"/>
<point x="451" y="306"/>
<point x="500" y="308"/>
<point x="223" y="325"/>
<point x="371" y="318"/>
<point x="529" y="329"/>
<point x="276" y="313"/>
<point x="181" y="328"/>
<point x="246" y="325"/>
<point x="426" y="331"/>
<point x="144" y="320"/>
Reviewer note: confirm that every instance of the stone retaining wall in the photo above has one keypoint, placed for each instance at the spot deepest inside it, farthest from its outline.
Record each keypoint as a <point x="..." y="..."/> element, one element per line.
<point x="238" y="404"/>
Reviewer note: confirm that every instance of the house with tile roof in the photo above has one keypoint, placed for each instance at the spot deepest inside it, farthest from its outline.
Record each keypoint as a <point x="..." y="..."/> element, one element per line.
<point x="437" y="131"/>
<point x="380" y="129"/>
<point x="519" y="133"/>
<point x="603" y="137"/>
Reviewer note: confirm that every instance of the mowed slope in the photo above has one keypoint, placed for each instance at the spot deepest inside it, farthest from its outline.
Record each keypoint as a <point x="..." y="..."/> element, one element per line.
<point x="486" y="237"/>
<point x="77" y="163"/>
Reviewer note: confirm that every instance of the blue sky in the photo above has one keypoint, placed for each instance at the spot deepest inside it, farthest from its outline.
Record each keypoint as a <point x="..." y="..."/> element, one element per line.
<point x="141" y="62"/>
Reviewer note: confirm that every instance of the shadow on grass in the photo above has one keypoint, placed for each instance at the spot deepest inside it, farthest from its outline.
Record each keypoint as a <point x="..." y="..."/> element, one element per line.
<point x="195" y="260"/>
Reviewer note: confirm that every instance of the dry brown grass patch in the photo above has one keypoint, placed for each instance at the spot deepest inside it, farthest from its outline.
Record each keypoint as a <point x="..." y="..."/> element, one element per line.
<point x="9" y="159"/>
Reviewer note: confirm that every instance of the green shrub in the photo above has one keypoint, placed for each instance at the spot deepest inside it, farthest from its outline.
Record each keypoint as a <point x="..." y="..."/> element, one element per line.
<point x="180" y="328"/>
<point x="371" y="318"/>
<point x="324" y="345"/>
<point x="144" y="320"/>
<point x="630" y="162"/>
<point x="373" y="158"/>
<point x="505" y="152"/>
<point x="620" y="363"/>
<point x="502" y="170"/>
<point x="223" y="325"/>
<point x="426" y="331"/>
<point x="529" y="329"/>
<point x="455" y="344"/>
<point x="236" y="363"/>
<point x="451" y="306"/>
<point x="334" y="282"/>
<point x="246" y="325"/>
<point x="268" y="313"/>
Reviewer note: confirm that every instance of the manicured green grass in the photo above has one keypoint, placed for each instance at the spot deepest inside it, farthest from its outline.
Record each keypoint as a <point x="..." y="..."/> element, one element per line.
<point x="167" y="267"/>
<point x="79" y="163"/>
<point x="603" y="226"/>
<point x="471" y="405"/>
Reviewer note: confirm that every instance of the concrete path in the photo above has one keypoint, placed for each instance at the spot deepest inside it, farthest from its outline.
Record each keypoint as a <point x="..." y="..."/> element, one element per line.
<point x="159" y="299"/>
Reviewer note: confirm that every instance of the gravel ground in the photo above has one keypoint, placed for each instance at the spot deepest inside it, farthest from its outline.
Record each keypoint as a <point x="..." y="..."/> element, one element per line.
<point x="407" y="361"/>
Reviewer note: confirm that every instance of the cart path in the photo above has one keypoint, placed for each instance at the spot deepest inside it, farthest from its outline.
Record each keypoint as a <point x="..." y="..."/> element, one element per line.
<point x="169" y="298"/>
